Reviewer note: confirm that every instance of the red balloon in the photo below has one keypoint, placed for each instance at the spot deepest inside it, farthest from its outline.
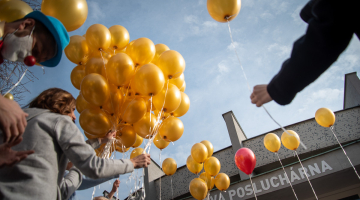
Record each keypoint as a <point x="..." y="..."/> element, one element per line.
<point x="245" y="160"/>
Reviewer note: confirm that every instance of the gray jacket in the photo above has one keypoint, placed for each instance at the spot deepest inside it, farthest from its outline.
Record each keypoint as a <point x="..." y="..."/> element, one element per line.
<point x="55" y="139"/>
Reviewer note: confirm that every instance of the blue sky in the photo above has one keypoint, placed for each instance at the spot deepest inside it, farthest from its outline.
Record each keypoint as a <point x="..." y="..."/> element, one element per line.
<point x="264" y="32"/>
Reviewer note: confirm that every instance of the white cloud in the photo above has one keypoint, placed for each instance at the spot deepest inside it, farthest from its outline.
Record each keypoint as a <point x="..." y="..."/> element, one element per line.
<point x="222" y="67"/>
<point x="96" y="12"/>
<point x="326" y="95"/>
<point x="231" y="46"/>
<point x="191" y="19"/>
<point x="280" y="50"/>
<point x="267" y="16"/>
<point x="210" y="24"/>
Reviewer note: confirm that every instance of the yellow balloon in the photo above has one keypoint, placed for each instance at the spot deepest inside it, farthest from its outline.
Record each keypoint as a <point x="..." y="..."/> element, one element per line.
<point x="210" y="181"/>
<point x="171" y="129"/>
<point x="77" y="50"/>
<point x="199" y="152"/>
<point x="291" y="140"/>
<point x="325" y="117"/>
<point x="95" y="89"/>
<point x="72" y="13"/>
<point x="222" y="182"/>
<point x="138" y="141"/>
<point x="82" y="104"/>
<point x="170" y="102"/>
<point x="179" y="81"/>
<point x="107" y="54"/>
<point x="223" y="10"/>
<point x="113" y="104"/>
<point x="120" y="69"/>
<point x="212" y="166"/>
<point x="148" y="80"/>
<point x="121" y="149"/>
<point x="272" y="142"/>
<point x="198" y="188"/>
<point x="14" y="10"/>
<point x="141" y="51"/>
<point x="163" y="114"/>
<point x="159" y="142"/>
<point x="133" y="110"/>
<point x="98" y="37"/>
<point x="182" y="89"/>
<point x="77" y="75"/>
<point x="95" y="121"/>
<point x="171" y="63"/>
<point x="89" y="136"/>
<point x="126" y="135"/>
<point x="193" y="166"/>
<point x="149" y="105"/>
<point x="9" y="96"/>
<point x="136" y="152"/>
<point x="145" y="125"/>
<point x="119" y="37"/>
<point x="209" y="147"/>
<point x="159" y="49"/>
<point x="95" y="65"/>
<point x="183" y="107"/>
<point x="2" y="2"/>
<point x="169" y="166"/>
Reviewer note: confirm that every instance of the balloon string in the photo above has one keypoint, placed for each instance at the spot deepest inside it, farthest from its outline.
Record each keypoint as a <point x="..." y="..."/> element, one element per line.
<point x="93" y="193"/>
<point x="17" y="83"/>
<point x="150" y="115"/>
<point x="252" y="187"/>
<point x="160" y="176"/>
<point x="306" y="175"/>
<point x="287" y="178"/>
<point x="331" y="128"/>
<point x="247" y="82"/>
<point x="9" y="76"/>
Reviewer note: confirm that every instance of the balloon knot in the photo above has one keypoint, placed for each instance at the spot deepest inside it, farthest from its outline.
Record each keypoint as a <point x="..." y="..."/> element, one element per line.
<point x="165" y="137"/>
<point x="151" y="94"/>
<point x="100" y="49"/>
<point x="170" y="77"/>
<point x="115" y="47"/>
<point x="101" y="107"/>
<point x="227" y="17"/>
<point x="164" y="109"/>
<point x="112" y="114"/>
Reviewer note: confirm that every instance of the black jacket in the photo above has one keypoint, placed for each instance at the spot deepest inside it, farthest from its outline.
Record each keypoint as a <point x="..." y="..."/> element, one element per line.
<point x="331" y="24"/>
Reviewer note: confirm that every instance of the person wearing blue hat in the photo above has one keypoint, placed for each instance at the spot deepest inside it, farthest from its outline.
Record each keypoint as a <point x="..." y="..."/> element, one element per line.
<point x="37" y="35"/>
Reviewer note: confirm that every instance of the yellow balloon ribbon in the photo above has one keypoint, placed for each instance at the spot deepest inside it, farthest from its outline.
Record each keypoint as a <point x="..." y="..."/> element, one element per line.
<point x="171" y="129"/>
<point x="222" y="181"/>
<point x="209" y="147"/>
<point x="169" y="166"/>
<point x="290" y="140"/>
<point x="223" y="10"/>
<point x="193" y="166"/>
<point x="212" y="166"/>
<point x="198" y="188"/>
<point x="199" y="152"/>
<point x="136" y="152"/>
<point x="325" y="117"/>
<point x="77" y="51"/>
<point x="272" y="142"/>
<point x="71" y="13"/>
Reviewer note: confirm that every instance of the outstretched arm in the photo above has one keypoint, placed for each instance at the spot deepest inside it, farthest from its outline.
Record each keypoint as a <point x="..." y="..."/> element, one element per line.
<point x="114" y="189"/>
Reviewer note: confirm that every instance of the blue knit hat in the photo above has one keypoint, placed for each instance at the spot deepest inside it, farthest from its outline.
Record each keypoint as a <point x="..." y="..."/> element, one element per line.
<point x="59" y="32"/>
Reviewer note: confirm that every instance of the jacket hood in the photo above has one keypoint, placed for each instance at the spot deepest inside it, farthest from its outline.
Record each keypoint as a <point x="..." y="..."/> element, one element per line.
<point x="33" y="112"/>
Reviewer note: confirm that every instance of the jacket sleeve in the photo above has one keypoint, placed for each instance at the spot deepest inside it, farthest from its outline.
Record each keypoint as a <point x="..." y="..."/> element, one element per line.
<point x="83" y="157"/>
<point x="70" y="183"/>
<point x="329" y="32"/>
<point x="94" y="143"/>
<point x="89" y="182"/>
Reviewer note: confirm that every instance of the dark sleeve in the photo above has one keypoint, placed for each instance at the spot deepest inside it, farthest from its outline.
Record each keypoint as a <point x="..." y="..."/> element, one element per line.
<point x="89" y="182"/>
<point x="328" y="34"/>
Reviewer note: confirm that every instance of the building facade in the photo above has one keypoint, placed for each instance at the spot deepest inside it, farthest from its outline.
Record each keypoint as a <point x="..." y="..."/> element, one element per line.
<point x="325" y="164"/>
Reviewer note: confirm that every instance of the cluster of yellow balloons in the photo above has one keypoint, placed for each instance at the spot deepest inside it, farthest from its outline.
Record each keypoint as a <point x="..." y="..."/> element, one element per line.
<point x="11" y="10"/>
<point x="136" y="88"/>
<point x="201" y="157"/>
<point x="289" y="139"/>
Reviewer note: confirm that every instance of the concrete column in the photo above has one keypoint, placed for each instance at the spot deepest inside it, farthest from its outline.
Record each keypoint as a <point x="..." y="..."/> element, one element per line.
<point x="351" y="90"/>
<point x="236" y="134"/>
<point x="152" y="172"/>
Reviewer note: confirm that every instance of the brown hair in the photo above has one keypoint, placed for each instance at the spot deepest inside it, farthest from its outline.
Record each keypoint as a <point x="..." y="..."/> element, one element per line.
<point x="55" y="99"/>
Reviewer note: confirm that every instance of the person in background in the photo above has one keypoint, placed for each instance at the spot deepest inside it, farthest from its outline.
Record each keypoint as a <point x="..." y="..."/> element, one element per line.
<point x="56" y="139"/>
<point x="115" y="187"/>
<point x="41" y="36"/>
<point x="331" y="25"/>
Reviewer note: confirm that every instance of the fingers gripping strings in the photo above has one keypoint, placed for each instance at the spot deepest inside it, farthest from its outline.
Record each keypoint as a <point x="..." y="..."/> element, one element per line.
<point x="247" y="82"/>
